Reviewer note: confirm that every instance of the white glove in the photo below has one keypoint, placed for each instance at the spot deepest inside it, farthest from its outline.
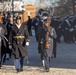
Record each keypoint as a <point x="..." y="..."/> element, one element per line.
<point x="10" y="46"/>
<point x="27" y="43"/>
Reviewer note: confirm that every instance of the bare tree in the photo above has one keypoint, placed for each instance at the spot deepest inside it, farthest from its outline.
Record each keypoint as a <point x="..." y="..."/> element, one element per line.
<point x="65" y="7"/>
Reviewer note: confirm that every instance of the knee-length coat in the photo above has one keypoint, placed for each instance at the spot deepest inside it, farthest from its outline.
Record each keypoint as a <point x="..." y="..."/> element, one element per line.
<point x="42" y="31"/>
<point x="19" y="44"/>
<point x="3" y="32"/>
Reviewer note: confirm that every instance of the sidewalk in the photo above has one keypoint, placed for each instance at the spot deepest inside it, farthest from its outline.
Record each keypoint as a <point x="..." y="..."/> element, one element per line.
<point x="63" y="64"/>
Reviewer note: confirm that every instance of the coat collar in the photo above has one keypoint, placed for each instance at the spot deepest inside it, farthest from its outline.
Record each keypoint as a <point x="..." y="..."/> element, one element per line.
<point x="18" y="29"/>
<point x="18" y="26"/>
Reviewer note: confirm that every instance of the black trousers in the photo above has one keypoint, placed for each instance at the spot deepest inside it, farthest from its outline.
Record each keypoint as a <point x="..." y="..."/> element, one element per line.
<point x="66" y="35"/>
<point x="75" y="35"/>
<point x="54" y="46"/>
<point x="59" y="33"/>
<point x="72" y="36"/>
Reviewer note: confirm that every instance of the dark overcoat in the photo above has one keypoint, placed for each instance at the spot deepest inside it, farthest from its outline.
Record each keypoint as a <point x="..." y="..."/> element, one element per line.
<point x="3" y="47"/>
<point x="19" y="44"/>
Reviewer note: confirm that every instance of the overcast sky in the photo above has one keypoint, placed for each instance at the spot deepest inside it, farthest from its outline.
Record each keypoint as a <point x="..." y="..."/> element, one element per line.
<point x="37" y="2"/>
<point x="32" y="1"/>
<point x="29" y="1"/>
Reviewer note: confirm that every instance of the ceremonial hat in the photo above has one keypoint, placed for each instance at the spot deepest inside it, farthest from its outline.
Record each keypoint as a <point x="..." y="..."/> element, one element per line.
<point x="18" y="17"/>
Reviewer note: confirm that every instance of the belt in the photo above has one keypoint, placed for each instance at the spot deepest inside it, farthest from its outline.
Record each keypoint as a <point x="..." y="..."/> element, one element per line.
<point x="19" y="37"/>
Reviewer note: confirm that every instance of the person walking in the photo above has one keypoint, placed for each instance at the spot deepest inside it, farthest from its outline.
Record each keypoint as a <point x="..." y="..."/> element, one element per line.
<point x="3" y="39"/>
<point x="46" y="35"/>
<point x="18" y="42"/>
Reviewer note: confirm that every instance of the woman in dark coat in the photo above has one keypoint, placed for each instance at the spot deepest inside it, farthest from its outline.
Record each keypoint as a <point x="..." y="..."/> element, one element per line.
<point x="18" y="42"/>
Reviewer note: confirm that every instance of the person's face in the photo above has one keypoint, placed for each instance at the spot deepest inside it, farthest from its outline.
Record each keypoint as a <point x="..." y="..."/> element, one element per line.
<point x="47" y="24"/>
<point x="18" y="21"/>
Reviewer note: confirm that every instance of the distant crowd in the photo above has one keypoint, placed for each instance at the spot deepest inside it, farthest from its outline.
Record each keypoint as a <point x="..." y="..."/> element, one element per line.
<point x="48" y="30"/>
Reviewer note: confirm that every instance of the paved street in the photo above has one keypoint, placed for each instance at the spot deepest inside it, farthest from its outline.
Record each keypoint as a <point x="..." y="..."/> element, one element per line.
<point x="63" y="64"/>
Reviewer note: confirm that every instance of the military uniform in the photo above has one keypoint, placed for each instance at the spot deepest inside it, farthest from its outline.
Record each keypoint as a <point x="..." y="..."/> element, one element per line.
<point x="65" y="30"/>
<point x="74" y="25"/>
<point x="18" y="38"/>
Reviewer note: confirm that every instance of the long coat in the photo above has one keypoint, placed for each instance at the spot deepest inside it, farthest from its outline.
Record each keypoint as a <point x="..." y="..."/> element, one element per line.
<point x="3" y="32"/>
<point x="49" y="51"/>
<point x="42" y="31"/>
<point x="19" y="44"/>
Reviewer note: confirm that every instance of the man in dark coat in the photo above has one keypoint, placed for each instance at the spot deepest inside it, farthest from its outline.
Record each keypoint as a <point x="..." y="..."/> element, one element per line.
<point x="29" y="24"/>
<point x="65" y="30"/>
<point x="58" y="29"/>
<point x="18" y="42"/>
<point x="36" y="22"/>
<point x="46" y="53"/>
<point x="71" y="30"/>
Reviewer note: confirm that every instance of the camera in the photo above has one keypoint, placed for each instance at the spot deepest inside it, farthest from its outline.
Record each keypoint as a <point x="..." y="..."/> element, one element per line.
<point x="44" y="19"/>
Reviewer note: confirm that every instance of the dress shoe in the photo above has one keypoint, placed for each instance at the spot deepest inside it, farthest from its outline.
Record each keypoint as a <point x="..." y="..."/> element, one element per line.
<point x="47" y="69"/>
<point x="18" y="70"/>
<point x="21" y="69"/>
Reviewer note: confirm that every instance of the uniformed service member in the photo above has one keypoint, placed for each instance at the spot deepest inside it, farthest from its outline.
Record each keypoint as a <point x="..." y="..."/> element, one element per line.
<point x="18" y="42"/>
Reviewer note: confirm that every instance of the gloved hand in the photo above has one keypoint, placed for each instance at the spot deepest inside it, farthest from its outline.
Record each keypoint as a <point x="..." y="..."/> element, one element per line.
<point x="10" y="46"/>
<point x="41" y="42"/>
<point x="27" y="43"/>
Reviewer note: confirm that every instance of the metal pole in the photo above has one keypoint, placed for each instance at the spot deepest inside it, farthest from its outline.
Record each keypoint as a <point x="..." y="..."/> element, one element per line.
<point x="13" y="10"/>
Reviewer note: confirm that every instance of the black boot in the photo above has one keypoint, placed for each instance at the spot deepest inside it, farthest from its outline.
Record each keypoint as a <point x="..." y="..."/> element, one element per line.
<point x="21" y="69"/>
<point x="47" y="69"/>
<point x="0" y="66"/>
<point x="18" y="70"/>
